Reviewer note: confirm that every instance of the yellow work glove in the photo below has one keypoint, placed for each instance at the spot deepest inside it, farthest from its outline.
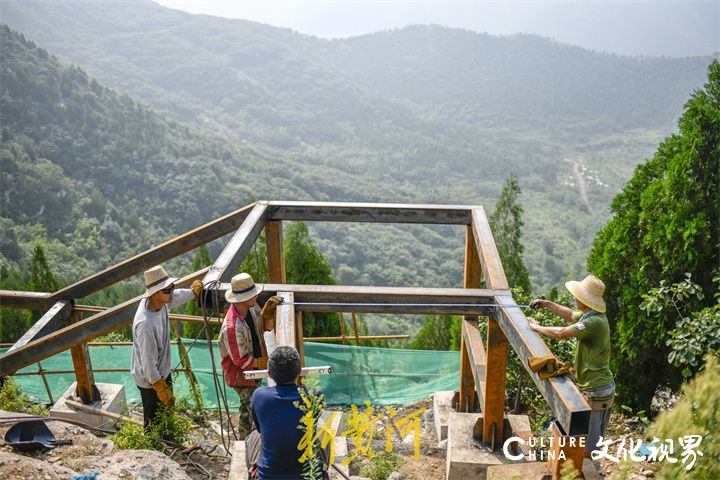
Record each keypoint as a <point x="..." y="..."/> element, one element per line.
<point x="164" y="392"/>
<point x="262" y="363"/>
<point x="197" y="287"/>
<point x="268" y="310"/>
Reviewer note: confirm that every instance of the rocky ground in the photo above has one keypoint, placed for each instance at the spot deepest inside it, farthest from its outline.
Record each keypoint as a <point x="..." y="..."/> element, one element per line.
<point x="90" y="453"/>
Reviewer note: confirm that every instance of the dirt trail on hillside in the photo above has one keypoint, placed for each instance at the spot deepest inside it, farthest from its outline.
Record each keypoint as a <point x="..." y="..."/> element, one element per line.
<point x="582" y="189"/>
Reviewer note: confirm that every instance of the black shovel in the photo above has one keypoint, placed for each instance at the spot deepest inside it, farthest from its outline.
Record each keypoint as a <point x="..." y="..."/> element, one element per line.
<point x="31" y="435"/>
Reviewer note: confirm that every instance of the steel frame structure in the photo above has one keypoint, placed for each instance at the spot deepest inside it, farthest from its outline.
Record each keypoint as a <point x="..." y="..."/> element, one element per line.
<point x="483" y="361"/>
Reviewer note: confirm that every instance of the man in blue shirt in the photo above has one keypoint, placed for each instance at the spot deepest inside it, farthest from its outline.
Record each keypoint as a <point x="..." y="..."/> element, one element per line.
<point x="274" y="445"/>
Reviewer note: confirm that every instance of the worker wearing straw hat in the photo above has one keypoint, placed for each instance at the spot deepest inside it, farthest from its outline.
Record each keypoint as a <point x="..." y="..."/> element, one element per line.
<point x="242" y="343"/>
<point x="592" y="356"/>
<point x="150" y="366"/>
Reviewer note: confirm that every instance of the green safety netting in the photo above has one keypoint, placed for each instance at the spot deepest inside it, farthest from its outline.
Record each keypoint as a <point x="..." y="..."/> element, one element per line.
<point x="381" y="375"/>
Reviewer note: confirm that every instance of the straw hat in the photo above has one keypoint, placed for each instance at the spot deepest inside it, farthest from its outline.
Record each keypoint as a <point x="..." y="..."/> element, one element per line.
<point x="589" y="292"/>
<point x="242" y="288"/>
<point x="156" y="279"/>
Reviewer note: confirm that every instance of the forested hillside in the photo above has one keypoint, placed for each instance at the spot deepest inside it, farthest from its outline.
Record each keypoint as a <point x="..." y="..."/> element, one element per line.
<point x="423" y="114"/>
<point x="98" y="177"/>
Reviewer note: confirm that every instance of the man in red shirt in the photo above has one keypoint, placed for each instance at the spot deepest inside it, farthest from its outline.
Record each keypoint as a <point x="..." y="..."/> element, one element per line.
<point x="241" y="340"/>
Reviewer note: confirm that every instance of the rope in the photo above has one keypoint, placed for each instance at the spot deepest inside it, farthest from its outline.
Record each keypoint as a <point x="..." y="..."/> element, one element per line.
<point x="220" y="392"/>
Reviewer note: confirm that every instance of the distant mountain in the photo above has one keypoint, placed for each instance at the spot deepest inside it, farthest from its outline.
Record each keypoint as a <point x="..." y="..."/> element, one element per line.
<point x="422" y="114"/>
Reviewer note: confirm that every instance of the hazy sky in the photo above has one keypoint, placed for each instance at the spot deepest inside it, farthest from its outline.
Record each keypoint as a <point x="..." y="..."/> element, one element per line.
<point x="675" y="28"/>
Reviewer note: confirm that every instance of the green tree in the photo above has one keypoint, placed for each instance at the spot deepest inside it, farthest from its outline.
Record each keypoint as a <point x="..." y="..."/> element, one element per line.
<point x="41" y="277"/>
<point x="507" y="224"/>
<point x="306" y="265"/>
<point x="438" y="332"/>
<point x="665" y="224"/>
<point x="13" y="323"/>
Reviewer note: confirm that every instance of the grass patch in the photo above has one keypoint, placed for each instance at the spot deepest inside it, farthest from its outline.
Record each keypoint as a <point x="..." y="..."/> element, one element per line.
<point x="381" y="466"/>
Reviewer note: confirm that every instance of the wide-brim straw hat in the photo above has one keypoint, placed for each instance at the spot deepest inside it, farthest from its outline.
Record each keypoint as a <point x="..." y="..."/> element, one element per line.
<point x="589" y="292"/>
<point x="156" y="279"/>
<point x="242" y="288"/>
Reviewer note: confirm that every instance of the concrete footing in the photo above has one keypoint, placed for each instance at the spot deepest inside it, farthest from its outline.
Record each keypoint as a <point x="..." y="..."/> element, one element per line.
<point x="442" y="406"/>
<point x="112" y="399"/>
<point x="339" y="443"/>
<point x="466" y="457"/>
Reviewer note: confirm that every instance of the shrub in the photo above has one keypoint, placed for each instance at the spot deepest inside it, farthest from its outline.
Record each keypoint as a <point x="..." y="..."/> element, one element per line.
<point x="167" y="425"/>
<point x="381" y="466"/>
<point x="697" y="413"/>
<point x="12" y="399"/>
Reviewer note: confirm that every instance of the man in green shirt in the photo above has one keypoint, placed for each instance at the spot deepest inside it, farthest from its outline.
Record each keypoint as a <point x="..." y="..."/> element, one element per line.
<point x="592" y="356"/>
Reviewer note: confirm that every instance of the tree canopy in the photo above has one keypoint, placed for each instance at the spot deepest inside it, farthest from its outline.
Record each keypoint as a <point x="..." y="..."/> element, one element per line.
<point x="665" y="225"/>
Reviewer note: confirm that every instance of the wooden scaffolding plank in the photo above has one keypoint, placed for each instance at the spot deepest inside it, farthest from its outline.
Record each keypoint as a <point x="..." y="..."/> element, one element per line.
<point x="156" y="255"/>
<point x="285" y="321"/>
<point x="48" y="323"/>
<point x="563" y="396"/>
<point x="370" y="212"/>
<point x="239" y="245"/>
<point x="77" y="333"/>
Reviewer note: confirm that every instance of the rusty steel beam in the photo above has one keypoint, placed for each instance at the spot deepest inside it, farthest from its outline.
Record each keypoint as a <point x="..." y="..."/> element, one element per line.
<point x="563" y="396"/>
<point x="370" y="212"/>
<point x="29" y="300"/>
<point x="275" y="252"/>
<point x="48" y="323"/>
<point x="475" y="363"/>
<point x="364" y="299"/>
<point x="492" y="268"/>
<point x="156" y="255"/>
<point x="77" y="333"/>
<point x="239" y="245"/>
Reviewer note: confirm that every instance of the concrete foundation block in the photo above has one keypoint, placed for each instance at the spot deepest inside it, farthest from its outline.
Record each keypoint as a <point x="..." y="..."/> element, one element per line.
<point x="112" y="399"/>
<point x="466" y="458"/>
<point x="442" y="406"/>
<point x="339" y="442"/>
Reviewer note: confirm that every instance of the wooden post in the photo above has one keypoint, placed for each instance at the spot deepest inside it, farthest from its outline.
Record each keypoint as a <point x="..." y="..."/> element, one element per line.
<point x="473" y="279"/>
<point x="572" y="448"/>
<point x="494" y="402"/>
<point x="185" y="360"/>
<point x="355" y="328"/>
<point x="85" y="389"/>
<point x="274" y="251"/>
<point x="342" y="325"/>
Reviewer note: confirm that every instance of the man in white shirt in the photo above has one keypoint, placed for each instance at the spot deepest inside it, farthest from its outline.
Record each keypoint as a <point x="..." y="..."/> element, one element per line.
<point x="151" y="358"/>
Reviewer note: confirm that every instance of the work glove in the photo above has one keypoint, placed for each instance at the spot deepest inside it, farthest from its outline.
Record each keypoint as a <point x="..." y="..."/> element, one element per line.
<point x="197" y="287"/>
<point x="268" y="310"/>
<point x="537" y="303"/>
<point x="164" y="393"/>
<point x="262" y="363"/>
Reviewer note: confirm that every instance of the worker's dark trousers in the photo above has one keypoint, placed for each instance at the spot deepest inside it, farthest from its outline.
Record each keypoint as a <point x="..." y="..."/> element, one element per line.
<point x="151" y="402"/>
